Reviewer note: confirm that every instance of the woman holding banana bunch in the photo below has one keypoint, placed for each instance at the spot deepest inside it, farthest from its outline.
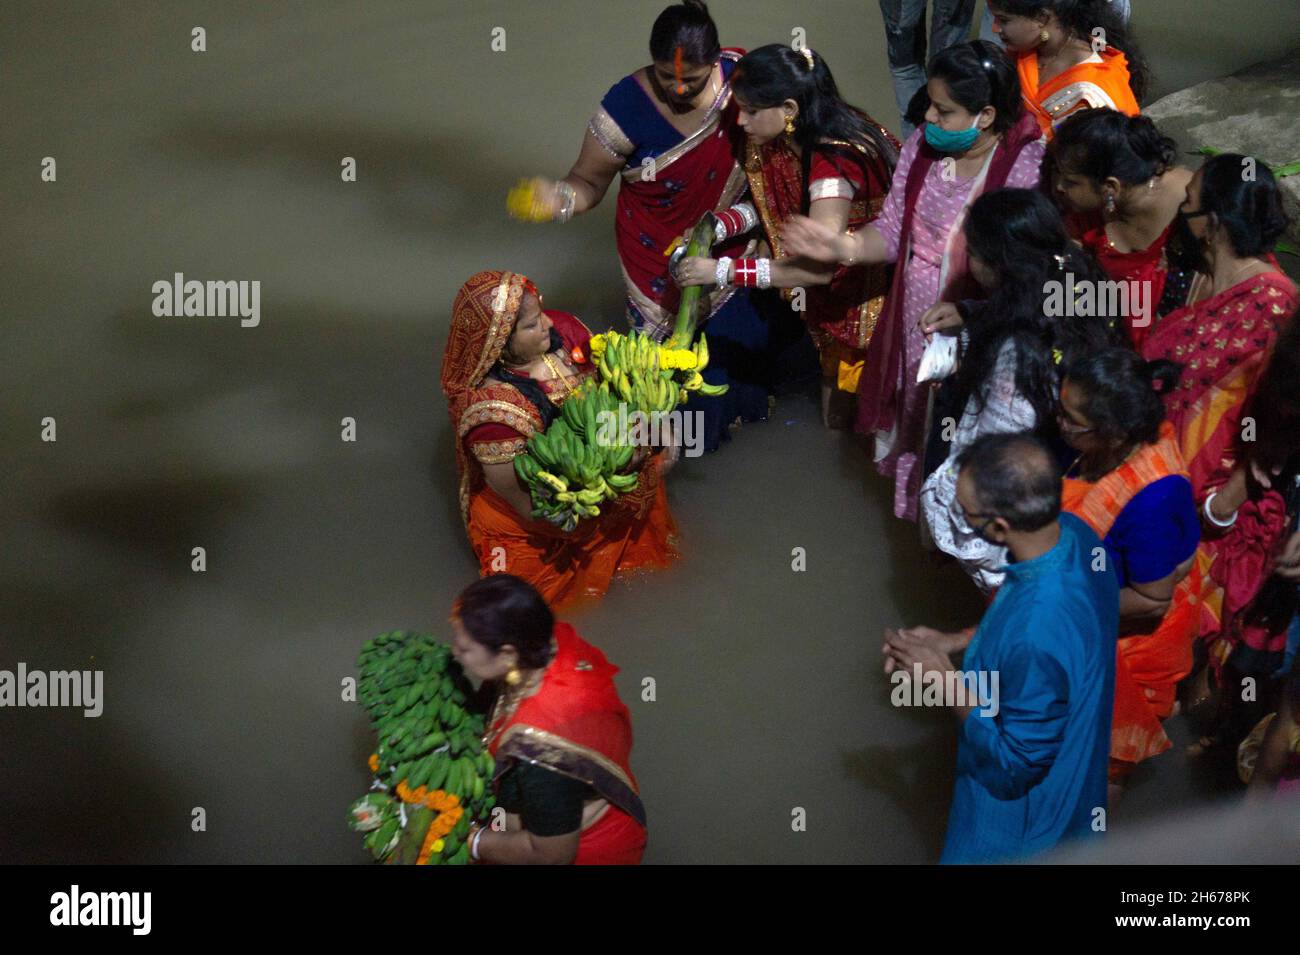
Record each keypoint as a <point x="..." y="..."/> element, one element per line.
<point x="507" y="371"/>
<point x="809" y="152"/>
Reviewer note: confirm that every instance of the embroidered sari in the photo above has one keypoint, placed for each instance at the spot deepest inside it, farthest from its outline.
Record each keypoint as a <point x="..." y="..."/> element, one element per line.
<point x="1148" y="665"/>
<point x="840" y="316"/>
<point x="1099" y="82"/>
<point x="492" y="422"/>
<point x="576" y="725"/>
<point x="692" y="175"/>
<point x="1223" y="344"/>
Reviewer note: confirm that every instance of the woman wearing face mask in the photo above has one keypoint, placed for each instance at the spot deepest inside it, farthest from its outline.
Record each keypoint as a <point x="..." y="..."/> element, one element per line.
<point x="976" y="139"/>
<point x="1121" y="168"/>
<point x="1014" y="348"/>
<point x="668" y="132"/>
<point x="1071" y="55"/>
<point x="508" y="367"/>
<point x="557" y="729"/>
<point x="1129" y="484"/>
<point x="809" y="151"/>
<point x="1228" y="225"/>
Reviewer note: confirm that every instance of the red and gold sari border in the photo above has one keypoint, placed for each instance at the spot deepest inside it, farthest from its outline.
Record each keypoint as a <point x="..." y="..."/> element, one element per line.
<point x="513" y="414"/>
<point x="554" y="752"/>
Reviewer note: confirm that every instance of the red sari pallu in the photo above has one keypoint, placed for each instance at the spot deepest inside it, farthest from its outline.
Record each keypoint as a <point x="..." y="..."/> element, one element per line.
<point x="492" y="422"/>
<point x="576" y="725"/>
<point x="1223" y="344"/>
<point x="841" y="316"/>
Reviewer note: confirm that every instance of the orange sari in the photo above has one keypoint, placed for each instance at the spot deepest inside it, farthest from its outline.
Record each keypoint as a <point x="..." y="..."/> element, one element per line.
<point x="1148" y="666"/>
<point x="1100" y="82"/>
<point x="492" y="421"/>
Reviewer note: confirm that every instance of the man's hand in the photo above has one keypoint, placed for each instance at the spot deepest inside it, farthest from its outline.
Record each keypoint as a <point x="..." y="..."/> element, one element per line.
<point x="905" y="649"/>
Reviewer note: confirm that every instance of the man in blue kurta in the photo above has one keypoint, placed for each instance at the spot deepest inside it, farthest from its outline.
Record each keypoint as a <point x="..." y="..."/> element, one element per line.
<point x="1031" y="768"/>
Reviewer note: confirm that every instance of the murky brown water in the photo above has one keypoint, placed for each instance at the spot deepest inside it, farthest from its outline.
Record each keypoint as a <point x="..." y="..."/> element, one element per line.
<point x="222" y="688"/>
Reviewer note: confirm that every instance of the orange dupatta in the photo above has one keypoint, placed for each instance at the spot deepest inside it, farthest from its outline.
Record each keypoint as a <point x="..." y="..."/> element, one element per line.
<point x="1148" y="666"/>
<point x="1100" y="82"/>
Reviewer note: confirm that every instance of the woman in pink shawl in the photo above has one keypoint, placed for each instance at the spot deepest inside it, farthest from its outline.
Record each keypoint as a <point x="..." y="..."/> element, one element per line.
<point x="976" y="138"/>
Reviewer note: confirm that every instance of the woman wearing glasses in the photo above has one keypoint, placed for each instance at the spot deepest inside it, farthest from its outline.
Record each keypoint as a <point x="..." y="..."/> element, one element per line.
<point x="1130" y="485"/>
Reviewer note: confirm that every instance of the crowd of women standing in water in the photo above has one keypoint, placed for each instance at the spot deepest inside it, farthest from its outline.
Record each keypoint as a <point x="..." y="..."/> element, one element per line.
<point x="930" y="276"/>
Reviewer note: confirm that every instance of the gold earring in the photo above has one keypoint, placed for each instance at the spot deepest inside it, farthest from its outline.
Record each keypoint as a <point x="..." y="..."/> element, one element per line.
<point x="789" y="125"/>
<point x="513" y="676"/>
<point x="1043" y="36"/>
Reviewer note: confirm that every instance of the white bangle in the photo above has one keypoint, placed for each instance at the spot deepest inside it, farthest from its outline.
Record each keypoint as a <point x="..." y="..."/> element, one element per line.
<point x="473" y="846"/>
<point x="1209" y="513"/>
<point x="568" y="200"/>
<point x="764" y="273"/>
<point x="721" y="272"/>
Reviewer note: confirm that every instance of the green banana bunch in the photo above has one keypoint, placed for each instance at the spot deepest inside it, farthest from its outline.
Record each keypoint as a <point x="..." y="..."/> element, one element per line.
<point x="415" y="696"/>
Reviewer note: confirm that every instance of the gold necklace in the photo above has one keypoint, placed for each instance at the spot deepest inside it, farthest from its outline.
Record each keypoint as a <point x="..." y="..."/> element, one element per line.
<point x="1229" y="283"/>
<point x="555" y="372"/>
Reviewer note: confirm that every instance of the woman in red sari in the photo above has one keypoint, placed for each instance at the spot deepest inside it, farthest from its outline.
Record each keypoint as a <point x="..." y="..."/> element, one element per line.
<point x="1227" y="228"/>
<point x="1071" y="55"/>
<point x="508" y="367"/>
<point x="809" y="152"/>
<point x="558" y="731"/>
<point x="1130" y="486"/>
<point x="1120" y="168"/>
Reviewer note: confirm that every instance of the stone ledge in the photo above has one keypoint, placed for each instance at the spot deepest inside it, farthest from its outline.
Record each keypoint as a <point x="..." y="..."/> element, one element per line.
<point x="1254" y="111"/>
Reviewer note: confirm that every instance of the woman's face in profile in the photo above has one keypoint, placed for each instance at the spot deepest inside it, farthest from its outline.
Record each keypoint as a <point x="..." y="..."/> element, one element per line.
<point x="475" y="659"/>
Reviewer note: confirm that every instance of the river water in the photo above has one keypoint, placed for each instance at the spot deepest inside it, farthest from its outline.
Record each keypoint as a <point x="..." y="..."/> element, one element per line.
<point x="222" y="688"/>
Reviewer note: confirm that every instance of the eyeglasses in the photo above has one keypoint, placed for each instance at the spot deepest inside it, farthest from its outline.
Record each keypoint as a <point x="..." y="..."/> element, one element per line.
<point x="1068" y="427"/>
<point x="972" y="515"/>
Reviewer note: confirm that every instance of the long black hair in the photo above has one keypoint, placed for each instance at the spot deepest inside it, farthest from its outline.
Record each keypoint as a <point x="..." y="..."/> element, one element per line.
<point x="1080" y="18"/>
<point x="689" y="27"/>
<point x="1121" y="393"/>
<point x="1275" y="407"/>
<point x="979" y="74"/>
<point x="772" y="74"/>
<point x="1019" y="235"/>
<point x="1100" y="143"/>
<point x="500" y="610"/>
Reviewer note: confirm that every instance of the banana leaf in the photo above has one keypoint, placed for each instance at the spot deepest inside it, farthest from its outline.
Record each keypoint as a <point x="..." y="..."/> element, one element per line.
<point x="693" y="299"/>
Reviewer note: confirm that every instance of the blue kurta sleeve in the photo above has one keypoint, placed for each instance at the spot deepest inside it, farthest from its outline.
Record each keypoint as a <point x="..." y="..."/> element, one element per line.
<point x="1010" y="752"/>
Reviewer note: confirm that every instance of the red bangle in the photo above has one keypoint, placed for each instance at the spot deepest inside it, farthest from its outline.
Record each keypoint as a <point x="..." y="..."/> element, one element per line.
<point x="731" y="220"/>
<point x="745" y="273"/>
